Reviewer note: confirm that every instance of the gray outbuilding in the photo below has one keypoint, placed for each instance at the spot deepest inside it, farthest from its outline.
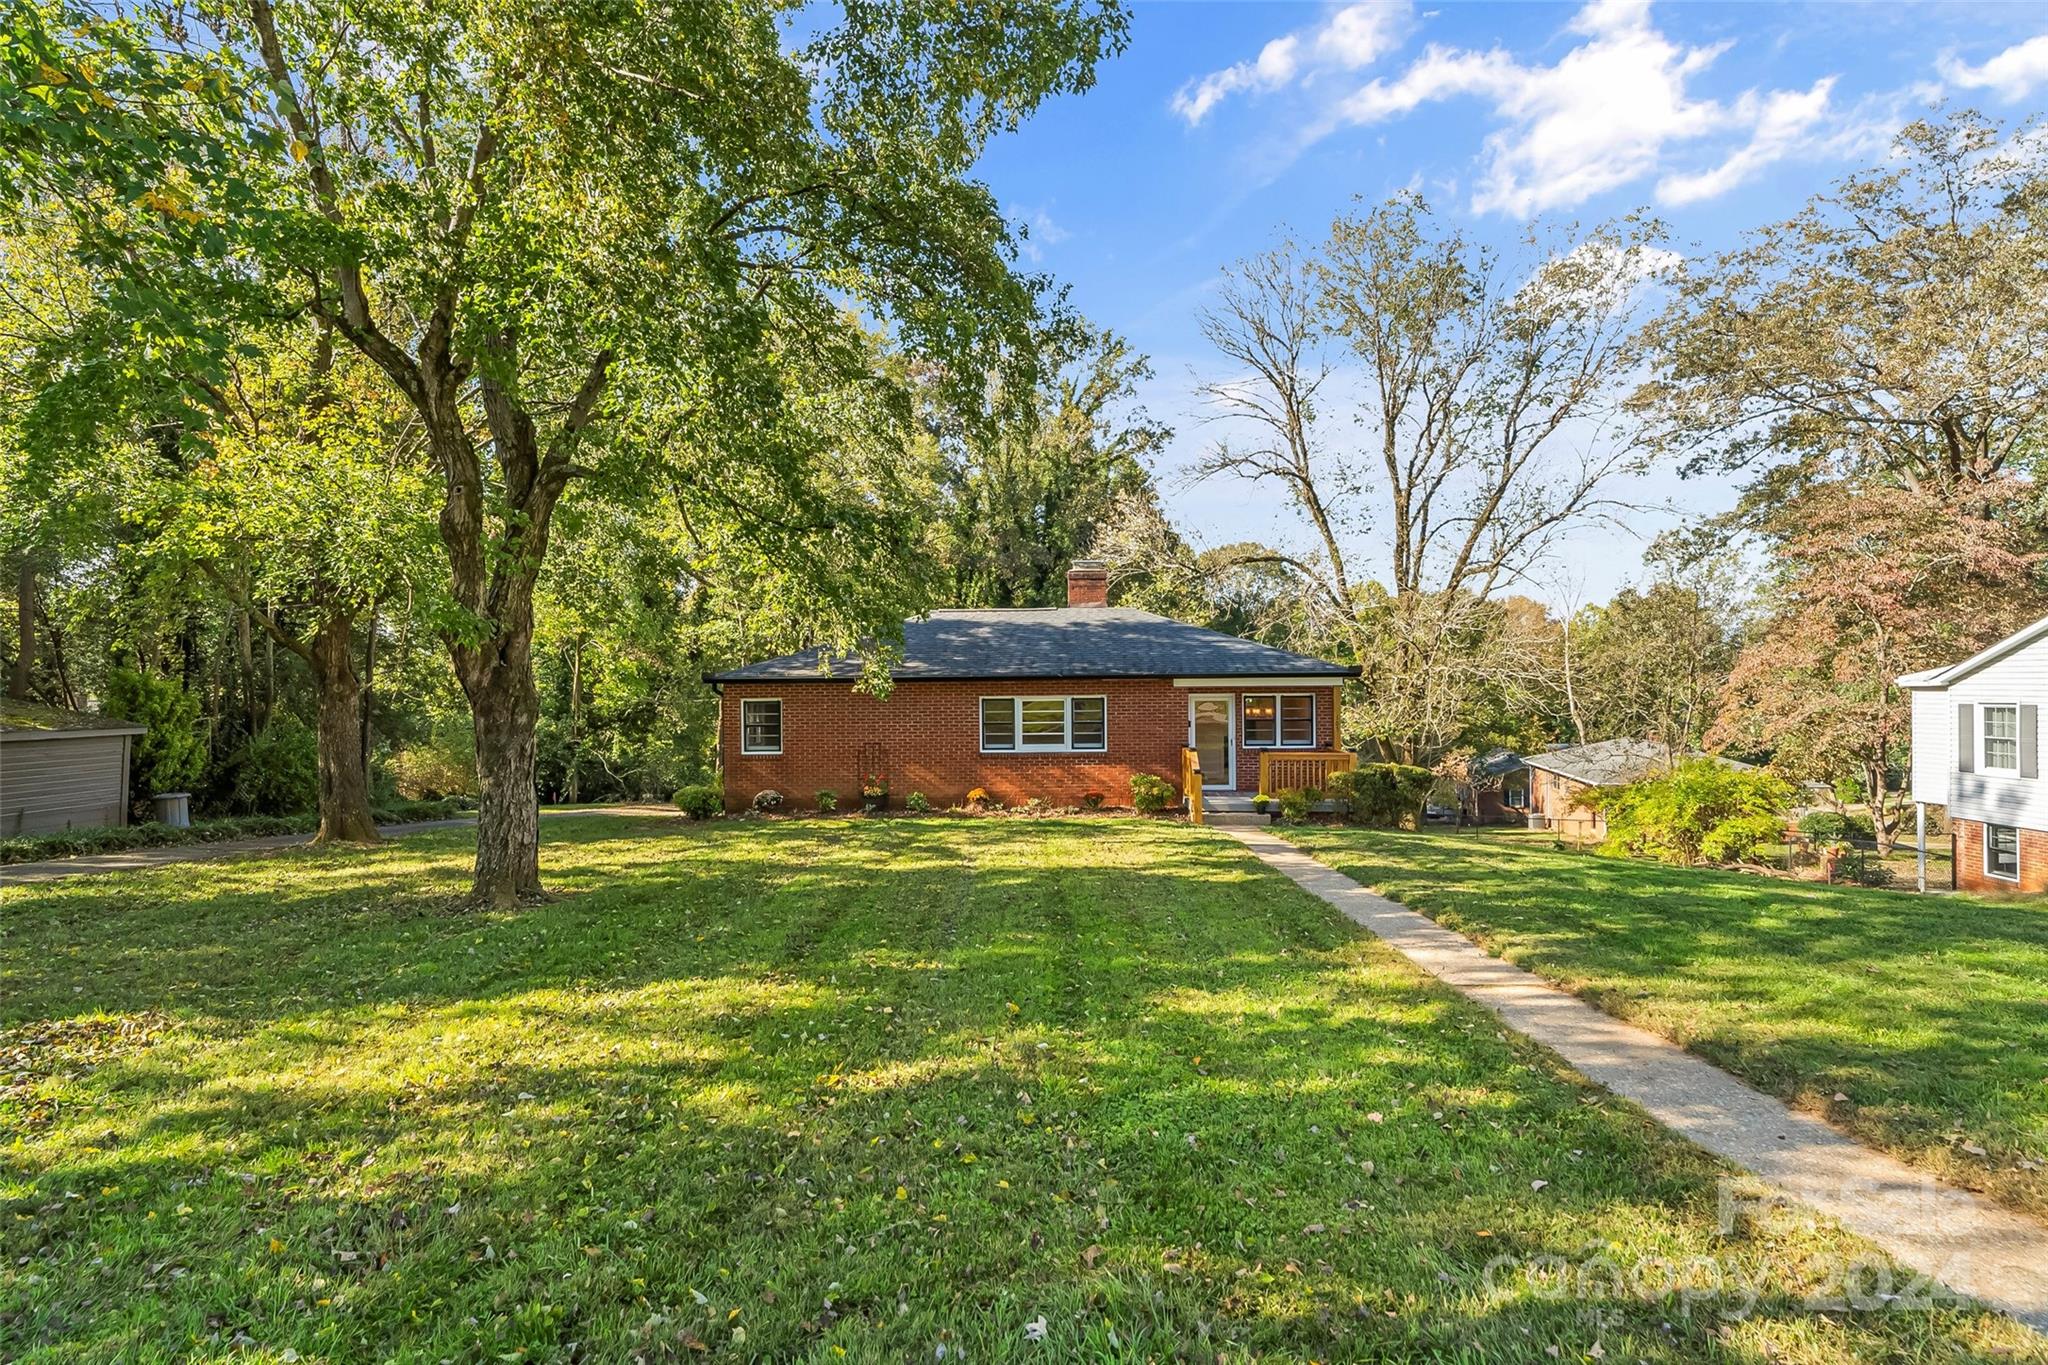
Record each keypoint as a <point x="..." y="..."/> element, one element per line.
<point x="62" y="769"/>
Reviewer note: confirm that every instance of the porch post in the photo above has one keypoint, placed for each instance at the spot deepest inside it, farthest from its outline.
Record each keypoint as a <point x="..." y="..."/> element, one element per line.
<point x="1920" y="831"/>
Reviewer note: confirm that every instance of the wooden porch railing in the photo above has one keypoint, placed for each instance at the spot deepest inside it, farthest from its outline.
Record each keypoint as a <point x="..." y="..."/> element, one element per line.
<point x="1191" y="784"/>
<point x="1295" y="770"/>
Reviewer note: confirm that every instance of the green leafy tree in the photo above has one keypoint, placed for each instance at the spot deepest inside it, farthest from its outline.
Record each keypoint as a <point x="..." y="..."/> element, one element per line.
<point x="1024" y="500"/>
<point x="1650" y="663"/>
<point x="1893" y="328"/>
<point x="580" y="215"/>
<point x="1701" y="810"/>
<point x="171" y="755"/>
<point x="307" y="507"/>
<point x="1874" y="363"/>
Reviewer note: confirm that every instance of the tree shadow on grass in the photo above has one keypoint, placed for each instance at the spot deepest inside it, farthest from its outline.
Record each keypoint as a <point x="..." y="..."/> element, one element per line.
<point x="712" y="1072"/>
<point x="1925" y="1012"/>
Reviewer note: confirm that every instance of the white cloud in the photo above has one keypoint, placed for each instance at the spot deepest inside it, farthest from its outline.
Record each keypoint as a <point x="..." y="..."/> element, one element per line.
<point x="1036" y="230"/>
<point x="2012" y="74"/>
<point x="1612" y="110"/>
<point x="1438" y="74"/>
<point x="1356" y="36"/>
<point x="1783" y="122"/>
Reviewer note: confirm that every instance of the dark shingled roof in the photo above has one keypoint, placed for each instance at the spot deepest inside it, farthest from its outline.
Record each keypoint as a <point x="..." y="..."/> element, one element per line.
<point x="1496" y="763"/>
<point x="1614" y="762"/>
<point x="1055" y="642"/>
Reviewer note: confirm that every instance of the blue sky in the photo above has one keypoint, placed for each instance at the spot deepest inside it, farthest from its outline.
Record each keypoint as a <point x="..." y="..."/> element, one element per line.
<point x="1225" y="124"/>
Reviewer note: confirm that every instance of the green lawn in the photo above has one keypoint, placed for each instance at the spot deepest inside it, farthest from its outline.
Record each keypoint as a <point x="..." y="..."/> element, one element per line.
<point x="827" y="1090"/>
<point x="1929" y="1013"/>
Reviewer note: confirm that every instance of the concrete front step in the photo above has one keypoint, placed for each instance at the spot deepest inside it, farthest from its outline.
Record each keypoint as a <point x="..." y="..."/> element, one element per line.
<point x="1236" y="819"/>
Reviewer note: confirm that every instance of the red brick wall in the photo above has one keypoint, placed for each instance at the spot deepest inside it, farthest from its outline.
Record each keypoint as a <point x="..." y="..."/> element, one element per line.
<point x="1551" y="796"/>
<point x="929" y="740"/>
<point x="1970" y="874"/>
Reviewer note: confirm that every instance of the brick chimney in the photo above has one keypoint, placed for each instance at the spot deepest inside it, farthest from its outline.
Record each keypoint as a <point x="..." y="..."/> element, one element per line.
<point x="1088" y="584"/>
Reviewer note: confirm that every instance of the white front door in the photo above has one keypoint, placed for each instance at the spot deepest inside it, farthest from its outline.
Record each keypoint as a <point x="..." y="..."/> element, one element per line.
<point x="1211" y="730"/>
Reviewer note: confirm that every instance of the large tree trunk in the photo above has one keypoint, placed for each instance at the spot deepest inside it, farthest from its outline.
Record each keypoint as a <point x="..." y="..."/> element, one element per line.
<point x="505" y="708"/>
<point x="22" y="680"/>
<point x="344" y="782"/>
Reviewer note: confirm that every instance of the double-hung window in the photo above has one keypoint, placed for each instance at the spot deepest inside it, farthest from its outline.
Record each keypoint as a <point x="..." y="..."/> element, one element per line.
<point x="2001" y="739"/>
<point x="1044" y="724"/>
<point x="2002" y="852"/>
<point x="1284" y="720"/>
<point x="761" y="725"/>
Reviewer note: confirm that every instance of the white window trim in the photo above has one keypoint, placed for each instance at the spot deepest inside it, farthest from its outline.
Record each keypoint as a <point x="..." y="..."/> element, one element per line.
<point x="1983" y="736"/>
<point x="2014" y="875"/>
<point x="1279" y="730"/>
<point x="780" y="714"/>
<point x="1066" y="746"/>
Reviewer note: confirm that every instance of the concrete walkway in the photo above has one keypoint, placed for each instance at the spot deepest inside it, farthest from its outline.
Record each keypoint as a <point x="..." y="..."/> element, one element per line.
<point x="137" y="859"/>
<point x="1974" y="1247"/>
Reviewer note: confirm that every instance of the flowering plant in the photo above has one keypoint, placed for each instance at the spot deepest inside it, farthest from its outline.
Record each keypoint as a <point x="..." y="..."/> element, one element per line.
<point x="978" y="797"/>
<point x="874" y="784"/>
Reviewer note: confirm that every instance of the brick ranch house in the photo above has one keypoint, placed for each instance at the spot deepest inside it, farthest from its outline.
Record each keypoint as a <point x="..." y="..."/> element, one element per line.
<point x="1047" y="702"/>
<point x="1976" y="750"/>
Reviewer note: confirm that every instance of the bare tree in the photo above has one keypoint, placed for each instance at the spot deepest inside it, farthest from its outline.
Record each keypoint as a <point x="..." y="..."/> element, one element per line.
<point x="1435" y="408"/>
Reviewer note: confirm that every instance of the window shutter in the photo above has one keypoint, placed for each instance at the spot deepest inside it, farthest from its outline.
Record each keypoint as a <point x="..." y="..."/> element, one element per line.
<point x="2029" y="727"/>
<point x="1966" y="738"/>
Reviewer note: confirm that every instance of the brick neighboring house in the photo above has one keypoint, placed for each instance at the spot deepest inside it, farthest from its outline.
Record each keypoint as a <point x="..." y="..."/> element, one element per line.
<point x="1555" y="778"/>
<point x="1048" y="702"/>
<point x="1496" y="789"/>
<point x="1976" y="750"/>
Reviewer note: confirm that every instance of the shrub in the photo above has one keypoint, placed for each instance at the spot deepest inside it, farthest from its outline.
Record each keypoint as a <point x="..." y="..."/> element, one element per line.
<point x="828" y="800"/>
<point x="1151" y="794"/>
<point x="171" y="756"/>
<point x="1829" y="827"/>
<point x="700" y="801"/>
<point x="1862" y="867"/>
<point x="1677" y="816"/>
<point x="917" y="803"/>
<point x="1384" y="795"/>
<point x="440" y="765"/>
<point x="978" y="797"/>
<point x="400" y="812"/>
<point x="1094" y="800"/>
<point x="1824" y="826"/>
<point x="1296" y="802"/>
<point x="768" y="800"/>
<point x="1737" y="840"/>
<point x="277" y="771"/>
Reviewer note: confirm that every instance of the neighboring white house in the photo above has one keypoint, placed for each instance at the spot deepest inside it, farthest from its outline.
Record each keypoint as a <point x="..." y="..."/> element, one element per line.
<point x="1977" y="751"/>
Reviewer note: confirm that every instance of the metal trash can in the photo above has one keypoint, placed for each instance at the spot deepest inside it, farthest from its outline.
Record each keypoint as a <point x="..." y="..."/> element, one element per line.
<point x="173" y="809"/>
